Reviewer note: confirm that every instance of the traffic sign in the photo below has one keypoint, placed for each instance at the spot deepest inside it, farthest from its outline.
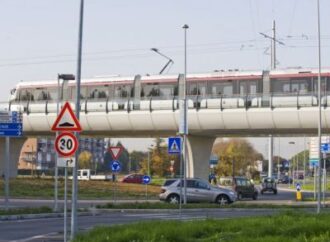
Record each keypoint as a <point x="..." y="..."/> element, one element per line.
<point x="115" y="166"/>
<point x="66" y="144"/>
<point x="314" y="162"/>
<point x="325" y="148"/>
<point x="11" y="124"/>
<point x="174" y="145"/>
<point x="66" y="120"/>
<point x="146" y="179"/>
<point x="298" y="186"/>
<point x="115" y="151"/>
<point x="66" y="162"/>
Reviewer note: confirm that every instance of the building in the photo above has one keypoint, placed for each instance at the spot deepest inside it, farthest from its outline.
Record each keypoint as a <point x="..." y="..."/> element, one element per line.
<point x="39" y="153"/>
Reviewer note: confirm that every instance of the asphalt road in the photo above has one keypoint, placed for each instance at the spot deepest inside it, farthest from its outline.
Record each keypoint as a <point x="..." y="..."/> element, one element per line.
<point x="51" y="229"/>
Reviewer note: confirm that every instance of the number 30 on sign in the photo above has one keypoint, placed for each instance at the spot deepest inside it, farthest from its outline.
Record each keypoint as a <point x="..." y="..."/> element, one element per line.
<point x="66" y="144"/>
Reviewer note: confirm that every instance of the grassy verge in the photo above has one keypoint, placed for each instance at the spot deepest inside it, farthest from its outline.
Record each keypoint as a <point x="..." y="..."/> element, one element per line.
<point x="163" y="205"/>
<point x="287" y="227"/>
<point x="20" y="211"/>
<point x="44" y="188"/>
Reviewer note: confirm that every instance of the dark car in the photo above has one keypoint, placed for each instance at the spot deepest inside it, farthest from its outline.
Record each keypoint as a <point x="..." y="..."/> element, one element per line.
<point x="268" y="185"/>
<point x="245" y="188"/>
<point x="242" y="186"/>
<point x="285" y="180"/>
<point x="133" y="178"/>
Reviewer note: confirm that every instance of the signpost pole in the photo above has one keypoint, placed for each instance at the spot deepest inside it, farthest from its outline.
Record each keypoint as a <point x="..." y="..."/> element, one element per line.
<point x="65" y="202"/>
<point x="314" y="181"/>
<point x="324" y="177"/>
<point x="7" y="171"/>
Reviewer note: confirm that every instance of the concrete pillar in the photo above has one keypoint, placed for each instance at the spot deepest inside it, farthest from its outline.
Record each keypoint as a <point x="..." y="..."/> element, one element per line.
<point x="198" y="154"/>
<point x="16" y="145"/>
<point x="270" y="156"/>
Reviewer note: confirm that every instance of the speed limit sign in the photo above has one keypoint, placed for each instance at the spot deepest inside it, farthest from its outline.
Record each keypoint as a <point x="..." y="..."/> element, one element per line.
<point x="66" y="144"/>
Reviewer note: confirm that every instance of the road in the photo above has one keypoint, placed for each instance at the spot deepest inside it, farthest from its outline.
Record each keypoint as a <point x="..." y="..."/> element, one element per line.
<point x="51" y="229"/>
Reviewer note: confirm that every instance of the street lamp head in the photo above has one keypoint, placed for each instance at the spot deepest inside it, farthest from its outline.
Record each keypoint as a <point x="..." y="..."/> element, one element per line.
<point x="66" y="77"/>
<point x="154" y="49"/>
<point x="185" y="26"/>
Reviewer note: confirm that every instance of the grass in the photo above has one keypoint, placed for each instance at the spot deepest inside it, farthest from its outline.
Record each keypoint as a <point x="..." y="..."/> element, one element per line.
<point x="288" y="226"/>
<point x="44" y="188"/>
<point x="20" y="211"/>
<point x="163" y="205"/>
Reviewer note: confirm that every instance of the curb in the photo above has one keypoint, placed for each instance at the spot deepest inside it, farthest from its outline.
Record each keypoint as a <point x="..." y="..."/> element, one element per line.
<point x="38" y="216"/>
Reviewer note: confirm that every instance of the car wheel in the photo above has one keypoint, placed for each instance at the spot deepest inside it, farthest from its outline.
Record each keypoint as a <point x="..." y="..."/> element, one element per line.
<point x="222" y="200"/>
<point x="239" y="196"/>
<point x="262" y="192"/>
<point x="275" y="192"/>
<point x="173" y="198"/>
<point x="255" y="196"/>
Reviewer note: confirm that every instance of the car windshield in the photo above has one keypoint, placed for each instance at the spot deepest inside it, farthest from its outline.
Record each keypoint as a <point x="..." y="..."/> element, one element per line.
<point x="168" y="182"/>
<point x="269" y="180"/>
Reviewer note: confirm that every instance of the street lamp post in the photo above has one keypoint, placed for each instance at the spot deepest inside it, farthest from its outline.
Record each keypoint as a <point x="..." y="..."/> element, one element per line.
<point x="75" y="168"/>
<point x="318" y="210"/>
<point x="185" y="124"/>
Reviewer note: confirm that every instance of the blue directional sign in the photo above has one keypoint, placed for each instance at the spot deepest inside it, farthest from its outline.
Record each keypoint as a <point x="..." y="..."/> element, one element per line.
<point x="115" y="166"/>
<point x="298" y="186"/>
<point x="313" y="162"/>
<point x="325" y="148"/>
<point x="146" y="179"/>
<point x="174" y="145"/>
<point x="11" y="124"/>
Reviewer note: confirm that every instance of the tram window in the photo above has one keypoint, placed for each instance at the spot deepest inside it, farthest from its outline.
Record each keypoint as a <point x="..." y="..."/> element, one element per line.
<point x="300" y="86"/>
<point x="192" y="89"/>
<point x="40" y="94"/>
<point x="150" y="90"/>
<point x="122" y="91"/>
<point x="166" y="90"/>
<point x="248" y="87"/>
<point x="83" y="91"/>
<point x="98" y="92"/>
<point x="202" y="89"/>
<point x="52" y="94"/>
<point x="26" y="95"/>
<point x="221" y="88"/>
<point x="323" y="84"/>
<point x="242" y="88"/>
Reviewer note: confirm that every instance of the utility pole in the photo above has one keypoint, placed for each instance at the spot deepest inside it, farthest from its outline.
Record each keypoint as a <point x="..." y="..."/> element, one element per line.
<point x="273" y="48"/>
<point x="273" y="45"/>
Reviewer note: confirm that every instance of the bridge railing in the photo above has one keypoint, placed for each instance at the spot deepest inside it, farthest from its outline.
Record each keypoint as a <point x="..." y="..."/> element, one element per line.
<point x="198" y="102"/>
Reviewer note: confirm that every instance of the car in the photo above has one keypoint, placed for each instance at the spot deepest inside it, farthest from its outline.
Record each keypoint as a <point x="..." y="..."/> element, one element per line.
<point x="241" y="185"/>
<point x="285" y="180"/>
<point x="268" y="185"/>
<point x="198" y="190"/>
<point x="133" y="178"/>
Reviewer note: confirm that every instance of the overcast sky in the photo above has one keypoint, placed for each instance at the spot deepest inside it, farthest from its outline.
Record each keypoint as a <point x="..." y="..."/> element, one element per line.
<point x="39" y="37"/>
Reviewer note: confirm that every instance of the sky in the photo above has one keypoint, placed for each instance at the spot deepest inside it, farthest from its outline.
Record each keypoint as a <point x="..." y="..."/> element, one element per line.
<point x="39" y="37"/>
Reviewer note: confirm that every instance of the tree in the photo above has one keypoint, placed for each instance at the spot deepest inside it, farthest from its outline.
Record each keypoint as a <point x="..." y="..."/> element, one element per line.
<point x="236" y="157"/>
<point x="159" y="160"/>
<point x="85" y="160"/>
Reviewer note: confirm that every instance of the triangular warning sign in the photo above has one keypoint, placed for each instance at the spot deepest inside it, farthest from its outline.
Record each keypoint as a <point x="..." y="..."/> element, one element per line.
<point x="174" y="147"/>
<point x="66" y="120"/>
<point x="115" y="151"/>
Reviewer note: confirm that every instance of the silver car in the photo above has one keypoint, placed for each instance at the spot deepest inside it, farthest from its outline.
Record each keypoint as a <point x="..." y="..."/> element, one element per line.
<point x="198" y="190"/>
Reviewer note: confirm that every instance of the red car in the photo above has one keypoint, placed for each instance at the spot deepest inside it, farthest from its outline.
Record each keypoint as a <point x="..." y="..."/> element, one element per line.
<point x="133" y="178"/>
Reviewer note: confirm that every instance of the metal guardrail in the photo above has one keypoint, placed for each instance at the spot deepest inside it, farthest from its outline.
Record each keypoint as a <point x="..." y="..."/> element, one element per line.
<point x="221" y="102"/>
